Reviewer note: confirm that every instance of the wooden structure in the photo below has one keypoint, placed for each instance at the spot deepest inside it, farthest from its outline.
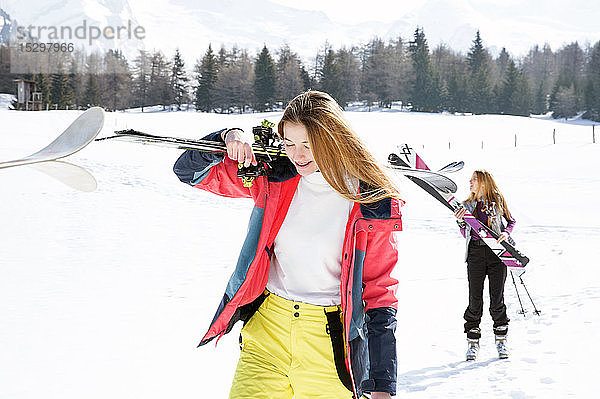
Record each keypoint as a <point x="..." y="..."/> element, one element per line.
<point x="28" y="99"/>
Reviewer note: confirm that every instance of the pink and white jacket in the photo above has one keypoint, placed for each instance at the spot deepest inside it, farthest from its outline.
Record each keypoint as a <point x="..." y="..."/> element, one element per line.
<point x="369" y="255"/>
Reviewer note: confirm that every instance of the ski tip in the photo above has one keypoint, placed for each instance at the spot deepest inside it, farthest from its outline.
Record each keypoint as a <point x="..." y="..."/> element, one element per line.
<point x="94" y="113"/>
<point x="395" y="160"/>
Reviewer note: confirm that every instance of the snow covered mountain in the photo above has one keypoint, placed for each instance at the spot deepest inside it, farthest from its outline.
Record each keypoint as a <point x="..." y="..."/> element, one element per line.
<point x="515" y="24"/>
<point x="191" y="25"/>
<point x="42" y="19"/>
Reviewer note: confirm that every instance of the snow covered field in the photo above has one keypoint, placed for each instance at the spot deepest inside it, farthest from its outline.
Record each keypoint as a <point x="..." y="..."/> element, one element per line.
<point x="106" y="294"/>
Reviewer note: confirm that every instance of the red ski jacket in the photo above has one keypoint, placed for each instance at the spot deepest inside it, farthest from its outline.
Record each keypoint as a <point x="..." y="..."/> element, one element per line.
<point x="368" y="297"/>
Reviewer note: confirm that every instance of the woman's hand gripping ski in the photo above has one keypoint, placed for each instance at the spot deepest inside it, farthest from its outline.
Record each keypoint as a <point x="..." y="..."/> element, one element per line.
<point x="238" y="149"/>
<point x="460" y="215"/>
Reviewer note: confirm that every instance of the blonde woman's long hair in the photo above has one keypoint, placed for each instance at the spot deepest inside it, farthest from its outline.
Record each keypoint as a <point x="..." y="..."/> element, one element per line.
<point x="339" y="153"/>
<point x="489" y="191"/>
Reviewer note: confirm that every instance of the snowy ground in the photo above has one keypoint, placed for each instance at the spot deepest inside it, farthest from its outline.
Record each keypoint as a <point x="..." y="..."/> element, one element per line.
<point x="106" y="294"/>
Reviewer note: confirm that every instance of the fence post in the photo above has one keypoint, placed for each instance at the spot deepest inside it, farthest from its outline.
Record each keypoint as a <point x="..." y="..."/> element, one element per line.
<point x="515" y="140"/>
<point x="594" y="134"/>
<point x="554" y="136"/>
<point x="482" y="144"/>
<point x="448" y="145"/>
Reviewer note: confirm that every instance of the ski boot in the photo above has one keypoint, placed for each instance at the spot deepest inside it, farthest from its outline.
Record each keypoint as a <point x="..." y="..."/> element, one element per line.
<point x="473" y="348"/>
<point x="473" y="336"/>
<point x="500" y="333"/>
<point x="501" y="346"/>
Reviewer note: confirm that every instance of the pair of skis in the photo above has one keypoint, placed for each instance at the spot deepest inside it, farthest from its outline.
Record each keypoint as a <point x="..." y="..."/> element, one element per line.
<point x="270" y="152"/>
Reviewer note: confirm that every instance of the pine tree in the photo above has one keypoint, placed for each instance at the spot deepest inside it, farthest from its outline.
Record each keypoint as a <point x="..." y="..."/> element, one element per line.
<point x="426" y="93"/>
<point x="159" y="89"/>
<point x="6" y="80"/>
<point x="264" y="83"/>
<point x="568" y="92"/>
<point x="43" y="86"/>
<point x="401" y="70"/>
<point x="91" y="96"/>
<point x="540" y="67"/>
<point x="235" y="81"/>
<point x="501" y="65"/>
<point x="592" y="94"/>
<point x="179" y="80"/>
<point x="349" y="76"/>
<point x="565" y="102"/>
<point x="206" y="77"/>
<point x="222" y="59"/>
<point x="307" y="81"/>
<point x="379" y="75"/>
<point x="450" y="66"/>
<point x="368" y="75"/>
<point x="507" y="103"/>
<point x="540" y="106"/>
<point x="141" y="80"/>
<point x="524" y="98"/>
<point x="75" y="84"/>
<point x="289" y="81"/>
<point x="331" y="77"/>
<point x="480" y="87"/>
<point x="58" y="92"/>
<point x="246" y="77"/>
<point x="115" y="82"/>
<point x="226" y="85"/>
<point x="457" y="91"/>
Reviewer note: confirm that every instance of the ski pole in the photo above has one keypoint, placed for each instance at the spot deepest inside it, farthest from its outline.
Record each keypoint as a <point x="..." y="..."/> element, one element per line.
<point x="535" y="310"/>
<point x="517" y="291"/>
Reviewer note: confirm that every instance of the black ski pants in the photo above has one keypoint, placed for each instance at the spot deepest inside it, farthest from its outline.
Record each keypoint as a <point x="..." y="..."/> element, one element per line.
<point x="482" y="262"/>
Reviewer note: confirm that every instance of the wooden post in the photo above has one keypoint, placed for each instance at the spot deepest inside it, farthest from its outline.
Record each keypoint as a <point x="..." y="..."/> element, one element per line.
<point x="448" y="145"/>
<point x="482" y="144"/>
<point x="554" y="136"/>
<point x="515" y="140"/>
<point x="594" y="134"/>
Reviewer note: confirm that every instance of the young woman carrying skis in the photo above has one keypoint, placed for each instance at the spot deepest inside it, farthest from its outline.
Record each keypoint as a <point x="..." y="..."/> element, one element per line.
<point x="488" y="205"/>
<point x="313" y="281"/>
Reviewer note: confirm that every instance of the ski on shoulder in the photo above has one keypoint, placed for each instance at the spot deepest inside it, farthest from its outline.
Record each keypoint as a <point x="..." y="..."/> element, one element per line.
<point x="268" y="150"/>
<point x="136" y="136"/>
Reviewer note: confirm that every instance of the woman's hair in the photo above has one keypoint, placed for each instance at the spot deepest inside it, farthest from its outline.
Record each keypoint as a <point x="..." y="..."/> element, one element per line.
<point x="339" y="153"/>
<point x="489" y="191"/>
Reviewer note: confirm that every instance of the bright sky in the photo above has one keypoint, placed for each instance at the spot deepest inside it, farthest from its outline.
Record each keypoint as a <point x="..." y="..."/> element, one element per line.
<point x="352" y="11"/>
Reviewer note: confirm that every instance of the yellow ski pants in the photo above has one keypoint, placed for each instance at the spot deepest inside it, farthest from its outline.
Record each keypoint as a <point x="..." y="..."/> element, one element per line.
<point x="287" y="353"/>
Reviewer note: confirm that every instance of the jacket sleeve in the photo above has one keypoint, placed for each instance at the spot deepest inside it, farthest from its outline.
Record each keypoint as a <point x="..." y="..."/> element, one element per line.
<point x="210" y="171"/>
<point x="510" y="225"/>
<point x="379" y="295"/>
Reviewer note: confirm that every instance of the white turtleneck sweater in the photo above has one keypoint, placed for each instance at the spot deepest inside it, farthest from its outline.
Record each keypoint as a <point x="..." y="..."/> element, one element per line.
<point x="306" y="264"/>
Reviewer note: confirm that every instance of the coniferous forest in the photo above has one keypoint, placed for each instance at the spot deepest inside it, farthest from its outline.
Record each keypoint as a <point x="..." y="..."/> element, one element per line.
<point x="564" y="81"/>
